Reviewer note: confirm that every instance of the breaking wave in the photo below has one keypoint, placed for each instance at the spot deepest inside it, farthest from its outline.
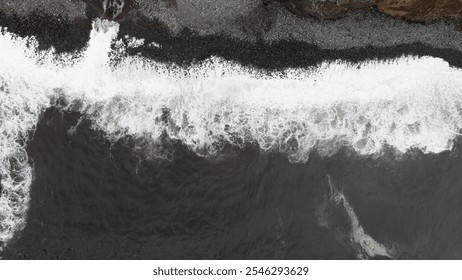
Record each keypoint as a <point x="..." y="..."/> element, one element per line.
<point x="407" y="103"/>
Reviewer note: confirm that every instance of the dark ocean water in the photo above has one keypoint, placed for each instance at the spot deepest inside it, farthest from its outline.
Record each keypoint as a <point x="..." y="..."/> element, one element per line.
<point x="94" y="200"/>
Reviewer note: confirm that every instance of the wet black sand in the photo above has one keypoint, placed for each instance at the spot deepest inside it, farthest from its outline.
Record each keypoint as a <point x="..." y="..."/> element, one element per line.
<point x="188" y="47"/>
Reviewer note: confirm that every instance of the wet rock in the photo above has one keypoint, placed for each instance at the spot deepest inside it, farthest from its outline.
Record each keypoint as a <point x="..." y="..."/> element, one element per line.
<point x="421" y="10"/>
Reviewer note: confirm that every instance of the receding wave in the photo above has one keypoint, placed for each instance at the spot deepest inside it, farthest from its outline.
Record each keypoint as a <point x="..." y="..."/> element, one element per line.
<point x="407" y="103"/>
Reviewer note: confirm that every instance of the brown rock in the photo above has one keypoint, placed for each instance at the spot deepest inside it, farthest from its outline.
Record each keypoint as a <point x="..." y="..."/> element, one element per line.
<point x="421" y="10"/>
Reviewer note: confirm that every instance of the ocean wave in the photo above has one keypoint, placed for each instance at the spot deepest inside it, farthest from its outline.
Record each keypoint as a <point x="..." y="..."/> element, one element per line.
<point x="406" y="103"/>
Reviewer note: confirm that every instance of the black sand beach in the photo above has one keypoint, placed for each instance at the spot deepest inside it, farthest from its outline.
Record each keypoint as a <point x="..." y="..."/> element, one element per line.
<point x="95" y="199"/>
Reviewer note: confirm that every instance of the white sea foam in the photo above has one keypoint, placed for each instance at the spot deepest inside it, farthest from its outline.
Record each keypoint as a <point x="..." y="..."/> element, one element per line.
<point x="407" y="103"/>
<point x="404" y="103"/>
<point x="369" y="247"/>
<point x="134" y="42"/>
<point x="21" y="101"/>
